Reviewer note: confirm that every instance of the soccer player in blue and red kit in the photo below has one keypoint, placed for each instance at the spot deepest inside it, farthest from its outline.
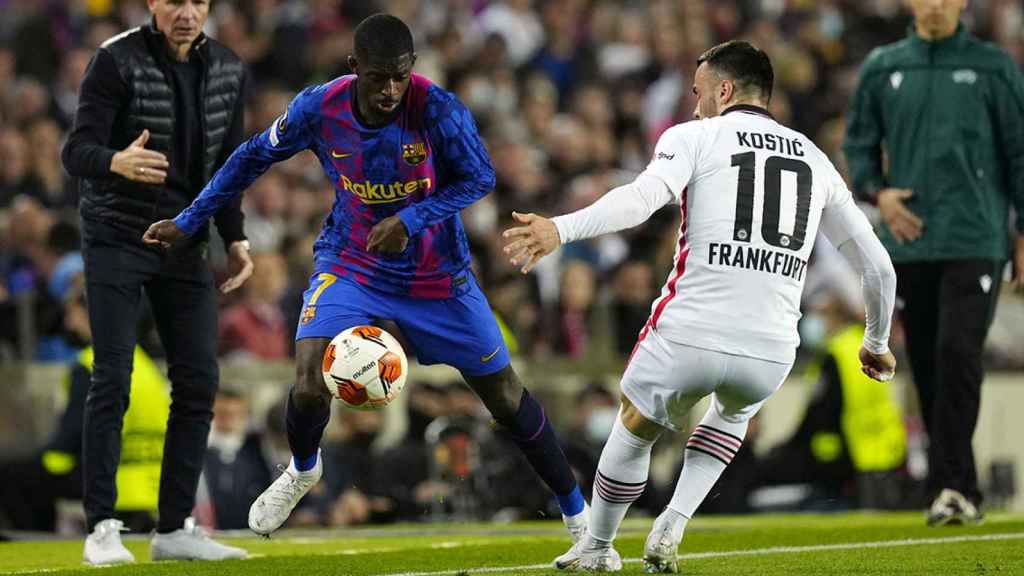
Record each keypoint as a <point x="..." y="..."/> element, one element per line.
<point x="405" y="157"/>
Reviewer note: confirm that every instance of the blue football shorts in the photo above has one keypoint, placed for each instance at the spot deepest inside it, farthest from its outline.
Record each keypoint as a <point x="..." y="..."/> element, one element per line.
<point x="459" y="331"/>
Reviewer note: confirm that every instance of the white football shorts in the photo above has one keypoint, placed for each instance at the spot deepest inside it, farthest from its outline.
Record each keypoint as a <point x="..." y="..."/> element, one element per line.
<point x="665" y="379"/>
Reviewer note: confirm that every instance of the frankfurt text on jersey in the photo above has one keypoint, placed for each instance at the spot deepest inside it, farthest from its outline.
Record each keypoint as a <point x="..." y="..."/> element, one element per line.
<point x="762" y="259"/>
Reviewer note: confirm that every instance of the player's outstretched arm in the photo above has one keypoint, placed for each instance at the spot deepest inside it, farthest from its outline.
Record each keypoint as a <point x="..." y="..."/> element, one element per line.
<point x="290" y="134"/>
<point x="240" y="170"/>
<point x="623" y="207"/>
<point x="527" y="244"/>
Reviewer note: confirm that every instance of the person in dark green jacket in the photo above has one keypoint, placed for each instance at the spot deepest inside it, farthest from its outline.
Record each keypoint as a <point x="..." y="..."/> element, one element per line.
<point x="949" y="111"/>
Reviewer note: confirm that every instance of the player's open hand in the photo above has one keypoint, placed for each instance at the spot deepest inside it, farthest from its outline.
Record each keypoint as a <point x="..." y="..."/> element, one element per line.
<point x="388" y="236"/>
<point x="163" y="234"/>
<point x="526" y="245"/>
<point x="879" y="367"/>
<point x="138" y="164"/>
<point x="239" y="264"/>
<point x="904" y="224"/>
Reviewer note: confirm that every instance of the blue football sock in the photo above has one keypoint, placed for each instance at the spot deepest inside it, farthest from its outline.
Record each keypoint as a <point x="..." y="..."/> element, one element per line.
<point x="304" y="464"/>
<point x="571" y="503"/>
<point x="532" y="432"/>
<point x="305" y="428"/>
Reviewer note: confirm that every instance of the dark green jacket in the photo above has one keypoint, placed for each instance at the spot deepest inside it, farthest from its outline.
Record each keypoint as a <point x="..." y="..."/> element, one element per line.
<point x="950" y="115"/>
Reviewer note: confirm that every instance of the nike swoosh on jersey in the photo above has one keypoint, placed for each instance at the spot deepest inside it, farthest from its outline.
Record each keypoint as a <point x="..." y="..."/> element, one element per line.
<point x="336" y="154"/>
<point x="491" y="355"/>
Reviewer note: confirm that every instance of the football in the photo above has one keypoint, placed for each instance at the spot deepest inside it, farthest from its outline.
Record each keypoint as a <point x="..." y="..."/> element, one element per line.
<point x="365" y="367"/>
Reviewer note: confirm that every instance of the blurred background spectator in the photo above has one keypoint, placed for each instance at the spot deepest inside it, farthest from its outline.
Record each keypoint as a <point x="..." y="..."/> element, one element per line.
<point x="236" y="470"/>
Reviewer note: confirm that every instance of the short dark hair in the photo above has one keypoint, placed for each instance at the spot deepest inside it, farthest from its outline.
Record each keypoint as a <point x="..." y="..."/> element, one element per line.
<point x="382" y="36"/>
<point x="744" y="64"/>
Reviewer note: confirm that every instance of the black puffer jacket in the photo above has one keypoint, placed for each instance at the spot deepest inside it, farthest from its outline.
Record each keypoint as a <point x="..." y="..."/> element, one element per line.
<point x="127" y="88"/>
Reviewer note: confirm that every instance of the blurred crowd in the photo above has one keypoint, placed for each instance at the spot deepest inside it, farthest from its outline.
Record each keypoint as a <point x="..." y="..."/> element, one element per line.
<point x="569" y="95"/>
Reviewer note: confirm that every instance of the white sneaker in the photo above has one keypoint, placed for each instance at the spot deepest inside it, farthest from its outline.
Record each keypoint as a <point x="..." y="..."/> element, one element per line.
<point x="951" y="508"/>
<point x="104" y="547"/>
<point x="944" y="508"/>
<point x="661" y="551"/>
<point x="191" y="543"/>
<point x="273" y="507"/>
<point x="577" y="525"/>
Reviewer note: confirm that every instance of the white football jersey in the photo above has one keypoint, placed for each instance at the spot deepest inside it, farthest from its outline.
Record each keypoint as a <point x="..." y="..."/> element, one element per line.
<point x="753" y="195"/>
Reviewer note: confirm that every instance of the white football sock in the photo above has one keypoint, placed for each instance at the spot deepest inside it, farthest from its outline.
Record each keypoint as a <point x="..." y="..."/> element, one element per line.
<point x="674" y="519"/>
<point x="709" y="450"/>
<point x="621" y="478"/>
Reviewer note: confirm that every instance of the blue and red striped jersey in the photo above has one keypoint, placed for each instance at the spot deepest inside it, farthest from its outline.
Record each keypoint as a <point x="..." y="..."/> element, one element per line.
<point x="425" y="166"/>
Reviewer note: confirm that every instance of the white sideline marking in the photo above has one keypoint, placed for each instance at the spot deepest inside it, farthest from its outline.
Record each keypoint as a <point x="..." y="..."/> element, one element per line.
<point x="752" y="552"/>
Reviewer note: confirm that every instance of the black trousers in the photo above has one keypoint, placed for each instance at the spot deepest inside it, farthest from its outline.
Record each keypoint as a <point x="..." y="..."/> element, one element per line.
<point x="947" y="311"/>
<point x="179" y="285"/>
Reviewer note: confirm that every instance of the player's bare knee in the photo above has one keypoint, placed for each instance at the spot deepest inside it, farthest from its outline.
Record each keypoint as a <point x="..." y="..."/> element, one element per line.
<point x="309" y="384"/>
<point x="637" y="423"/>
<point x="500" y="392"/>
<point x="734" y="414"/>
<point x="310" y="391"/>
<point x="308" y="397"/>
<point x="511" y="390"/>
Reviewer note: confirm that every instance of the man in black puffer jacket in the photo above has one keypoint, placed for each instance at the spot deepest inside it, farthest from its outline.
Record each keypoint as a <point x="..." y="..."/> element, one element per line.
<point x="161" y="108"/>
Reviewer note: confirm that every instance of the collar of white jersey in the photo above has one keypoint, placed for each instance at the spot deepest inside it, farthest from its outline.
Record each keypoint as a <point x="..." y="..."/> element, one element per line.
<point x="748" y="108"/>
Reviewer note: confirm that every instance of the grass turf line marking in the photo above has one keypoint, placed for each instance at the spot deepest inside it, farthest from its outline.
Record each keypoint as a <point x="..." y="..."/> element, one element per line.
<point x="752" y="552"/>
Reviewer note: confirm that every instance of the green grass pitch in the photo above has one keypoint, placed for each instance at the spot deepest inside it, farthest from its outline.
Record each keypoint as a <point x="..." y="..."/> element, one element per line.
<point x="752" y="545"/>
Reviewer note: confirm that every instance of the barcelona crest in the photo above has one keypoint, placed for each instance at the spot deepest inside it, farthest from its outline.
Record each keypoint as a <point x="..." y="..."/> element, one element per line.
<point x="414" y="154"/>
<point x="308" y="314"/>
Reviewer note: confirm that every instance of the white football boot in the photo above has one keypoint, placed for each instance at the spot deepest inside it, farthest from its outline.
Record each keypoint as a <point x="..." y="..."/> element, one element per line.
<point x="578" y="529"/>
<point x="104" y="547"/>
<point x="600" y="560"/>
<point x="570" y="560"/>
<point x="191" y="543"/>
<point x="577" y="525"/>
<point x="661" y="551"/>
<point x="584" y="557"/>
<point x="273" y="507"/>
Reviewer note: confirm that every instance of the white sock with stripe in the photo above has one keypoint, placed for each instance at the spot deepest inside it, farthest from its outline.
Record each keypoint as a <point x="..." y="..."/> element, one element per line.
<point x="621" y="478"/>
<point x="709" y="450"/>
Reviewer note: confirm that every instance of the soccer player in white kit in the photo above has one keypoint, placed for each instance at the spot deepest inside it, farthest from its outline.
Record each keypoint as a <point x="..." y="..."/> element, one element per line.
<point x="753" y="195"/>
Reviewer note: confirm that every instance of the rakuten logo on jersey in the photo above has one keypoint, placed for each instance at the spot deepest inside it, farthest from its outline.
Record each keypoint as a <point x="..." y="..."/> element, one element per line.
<point x="372" y="193"/>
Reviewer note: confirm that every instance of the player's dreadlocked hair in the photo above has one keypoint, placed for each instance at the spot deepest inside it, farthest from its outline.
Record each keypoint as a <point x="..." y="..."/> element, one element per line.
<point x="746" y="65"/>
<point x="382" y="36"/>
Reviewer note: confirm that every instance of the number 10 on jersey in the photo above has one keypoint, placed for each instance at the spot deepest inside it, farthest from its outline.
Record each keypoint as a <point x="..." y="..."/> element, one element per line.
<point x="771" y="210"/>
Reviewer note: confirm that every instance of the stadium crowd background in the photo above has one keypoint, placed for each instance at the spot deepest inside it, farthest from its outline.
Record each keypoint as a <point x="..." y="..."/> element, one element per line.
<point x="570" y="96"/>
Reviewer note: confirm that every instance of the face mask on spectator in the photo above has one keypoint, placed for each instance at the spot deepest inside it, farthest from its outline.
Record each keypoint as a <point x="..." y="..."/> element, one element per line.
<point x="600" y="423"/>
<point x="227" y="444"/>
